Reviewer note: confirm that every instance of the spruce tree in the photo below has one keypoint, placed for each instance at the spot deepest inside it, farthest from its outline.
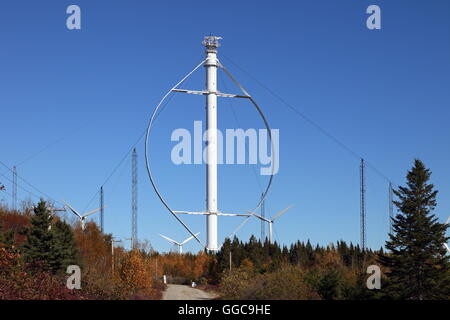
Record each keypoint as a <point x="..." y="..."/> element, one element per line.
<point x="38" y="247"/>
<point x="65" y="249"/>
<point x="417" y="264"/>
<point x="50" y="249"/>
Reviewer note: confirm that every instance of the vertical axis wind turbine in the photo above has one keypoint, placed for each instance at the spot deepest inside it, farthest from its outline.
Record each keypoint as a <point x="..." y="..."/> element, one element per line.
<point x="180" y="244"/>
<point x="271" y="221"/>
<point x="211" y="64"/>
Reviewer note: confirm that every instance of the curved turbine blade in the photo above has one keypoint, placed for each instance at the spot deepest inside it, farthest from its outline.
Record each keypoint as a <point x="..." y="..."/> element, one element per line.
<point x="280" y="213"/>
<point x="189" y="239"/>
<point x="448" y="221"/>
<point x="170" y="240"/>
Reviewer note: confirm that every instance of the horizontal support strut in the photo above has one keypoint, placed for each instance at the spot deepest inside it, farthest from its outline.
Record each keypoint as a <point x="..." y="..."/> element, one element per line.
<point x="219" y="94"/>
<point x="218" y="213"/>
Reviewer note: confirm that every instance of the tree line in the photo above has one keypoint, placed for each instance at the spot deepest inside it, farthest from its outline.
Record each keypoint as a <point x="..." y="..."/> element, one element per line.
<point x="36" y="248"/>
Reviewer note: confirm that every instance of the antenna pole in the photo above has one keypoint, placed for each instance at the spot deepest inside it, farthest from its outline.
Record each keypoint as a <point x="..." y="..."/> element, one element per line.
<point x="102" y="208"/>
<point x="112" y="253"/>
<point x="14" y="188"/>
<point x="134" y="199"/>
<point x="391" y="207"/>
<point x="363" y="204"/>
<point x="211" y="43"/>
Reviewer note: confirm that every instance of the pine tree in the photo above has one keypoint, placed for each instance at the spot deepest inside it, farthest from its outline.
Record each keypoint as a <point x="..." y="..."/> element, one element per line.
<point x="418" y="267"/>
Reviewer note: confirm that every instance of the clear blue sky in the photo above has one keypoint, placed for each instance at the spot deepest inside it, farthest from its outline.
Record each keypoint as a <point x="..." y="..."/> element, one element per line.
<point x="88" y="94"/>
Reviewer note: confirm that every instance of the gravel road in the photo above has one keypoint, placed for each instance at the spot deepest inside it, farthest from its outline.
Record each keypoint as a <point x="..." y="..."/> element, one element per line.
<point x="181" y="292"/>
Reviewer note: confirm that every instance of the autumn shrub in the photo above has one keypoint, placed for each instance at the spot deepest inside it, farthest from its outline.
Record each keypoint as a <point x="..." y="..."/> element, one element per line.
<point x="19" y="282"/>
<point x="135" y="275"/>
<point x="286" y="283"/>
<point x="235" y="284"/>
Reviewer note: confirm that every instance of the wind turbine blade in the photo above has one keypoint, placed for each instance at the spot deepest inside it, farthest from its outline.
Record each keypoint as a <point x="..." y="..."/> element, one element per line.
<point x="170" y="240"/>
<point x="72" y="209"/>
<point x="448" y="221"/>
<point x="189" y="239"/>
<point x="91" y="212"/>
<point x="447" y="247"/>
<point x="280" y="213"/>
<point x="240" y="226"/>
<point x="257" y="216"/>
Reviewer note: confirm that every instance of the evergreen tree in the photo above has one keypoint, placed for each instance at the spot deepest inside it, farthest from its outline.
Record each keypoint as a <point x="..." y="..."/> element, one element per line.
<point x="328" y="285"/>
<point x="65" y="248"/>
<point x="38" y="247"/>
<point x="6" y="238"/>
<point x="418" y="267"/>
<point x="49" y="249"/>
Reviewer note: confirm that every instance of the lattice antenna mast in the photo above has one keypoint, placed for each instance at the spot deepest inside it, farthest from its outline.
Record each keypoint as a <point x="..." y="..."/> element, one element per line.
<point x="14" y="189"/>
<point x="391" y="207"/>
<point x="363" y="204"/>
<point x="134" y="237"/>
<point x="102" y="209"/>
<point x="263" y="223"/>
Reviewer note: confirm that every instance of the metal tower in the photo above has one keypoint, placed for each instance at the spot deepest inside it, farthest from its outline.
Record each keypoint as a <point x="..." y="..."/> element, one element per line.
<point x="102" y="209"/>
<point x="391" y="207"/>
<point x="14" y="189"/>
<point x="211" y="44"/>
<point x="263" y="223"/>
<point x="363" y="204"/>
<point x="134" y="237"/>
<point x="211" y="64"/>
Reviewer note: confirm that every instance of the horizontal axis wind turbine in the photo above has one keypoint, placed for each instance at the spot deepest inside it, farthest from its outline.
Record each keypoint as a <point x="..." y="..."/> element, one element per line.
<point x="271" y="221"/>
<point x="180" y="244"/>
<point x="81" y="217"/>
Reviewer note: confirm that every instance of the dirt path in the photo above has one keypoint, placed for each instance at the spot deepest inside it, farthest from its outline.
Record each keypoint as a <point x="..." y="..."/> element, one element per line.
<point x="180" y="292"/>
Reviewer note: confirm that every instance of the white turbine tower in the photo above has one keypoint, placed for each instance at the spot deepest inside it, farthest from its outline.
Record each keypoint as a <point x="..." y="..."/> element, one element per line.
<point x="82" y="217"/>
<point x="180" y="244"/>
<point x="211" y="92"/>
<point x="271" y="221"/>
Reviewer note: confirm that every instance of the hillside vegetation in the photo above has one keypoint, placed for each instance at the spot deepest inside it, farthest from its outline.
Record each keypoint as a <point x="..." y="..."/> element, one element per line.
<point x="36" y="247"/>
